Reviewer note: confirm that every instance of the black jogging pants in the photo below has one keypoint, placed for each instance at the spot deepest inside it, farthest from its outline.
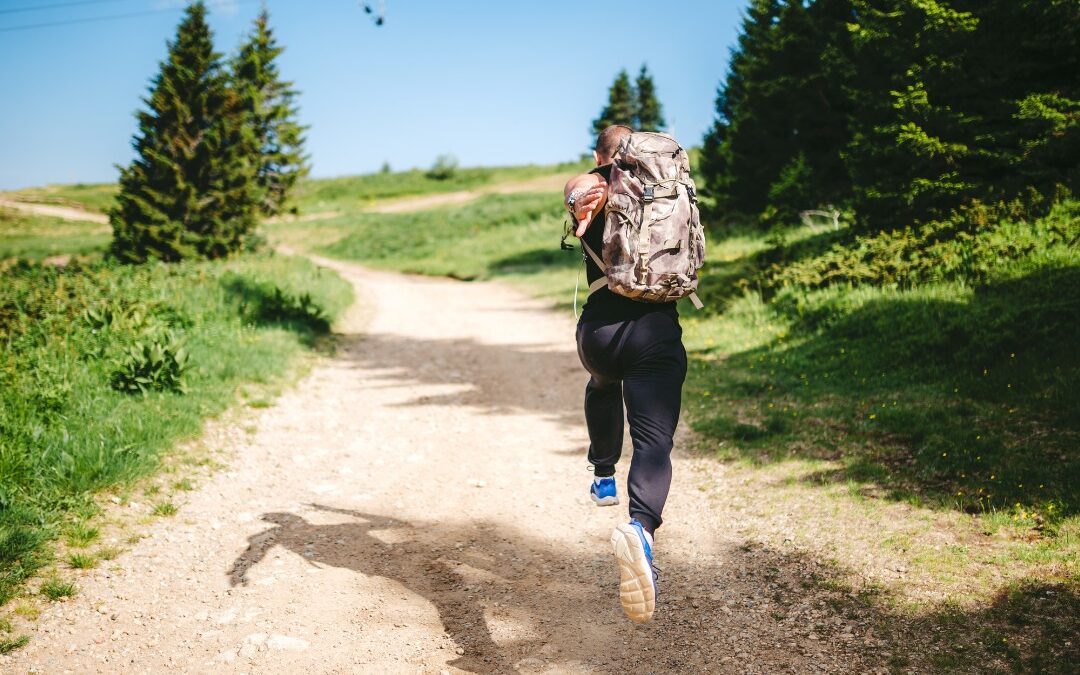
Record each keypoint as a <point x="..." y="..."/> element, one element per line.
<point x="640" y="362"/>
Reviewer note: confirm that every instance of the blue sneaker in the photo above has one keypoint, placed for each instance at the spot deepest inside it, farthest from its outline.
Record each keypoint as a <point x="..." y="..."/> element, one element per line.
<point x="603" y="492"/>
<point x="637" y="575"/>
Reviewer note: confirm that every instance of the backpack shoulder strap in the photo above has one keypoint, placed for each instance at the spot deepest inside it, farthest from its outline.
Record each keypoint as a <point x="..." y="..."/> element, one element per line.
<point x="592" y="254"/>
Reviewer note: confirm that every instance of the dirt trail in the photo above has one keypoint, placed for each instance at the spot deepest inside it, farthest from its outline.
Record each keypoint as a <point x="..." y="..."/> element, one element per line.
<point x="418" y="504"/>
<point x="63" y="212"/>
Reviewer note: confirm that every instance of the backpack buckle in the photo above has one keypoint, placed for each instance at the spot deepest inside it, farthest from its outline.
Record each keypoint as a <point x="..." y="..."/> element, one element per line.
<point x="692" y="193"/>
<point x="647" y="195"/>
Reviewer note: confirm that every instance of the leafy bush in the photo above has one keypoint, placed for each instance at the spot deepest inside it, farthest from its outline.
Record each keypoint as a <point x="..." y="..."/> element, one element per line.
<point x="153" y="364"/>
<point x="970" y="247"/>
<point x="444" y="168"/>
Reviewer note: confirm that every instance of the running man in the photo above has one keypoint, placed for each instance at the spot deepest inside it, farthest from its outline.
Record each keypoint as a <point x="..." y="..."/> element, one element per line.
<point x="634" y="354"/>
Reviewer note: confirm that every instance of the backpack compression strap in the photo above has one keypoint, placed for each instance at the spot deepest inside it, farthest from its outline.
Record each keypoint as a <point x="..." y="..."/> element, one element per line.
<point x="602" y="281"/>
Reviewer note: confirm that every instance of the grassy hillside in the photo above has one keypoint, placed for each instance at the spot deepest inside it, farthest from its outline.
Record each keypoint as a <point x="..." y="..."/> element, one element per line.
<point x="949" y="390"/>
<point x="345" y="193"/>
<point x="37" y="237"/>
<point x="349" y="193"/>
<point x="95" y="197"/>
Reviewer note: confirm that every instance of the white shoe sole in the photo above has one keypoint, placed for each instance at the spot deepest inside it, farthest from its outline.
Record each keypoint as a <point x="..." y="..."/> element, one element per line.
<point x="636" y="591"/>
<point x="605" y="501"/>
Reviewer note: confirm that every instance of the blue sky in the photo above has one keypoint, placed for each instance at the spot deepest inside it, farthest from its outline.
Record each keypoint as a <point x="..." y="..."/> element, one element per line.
<point x="493" y="83"/>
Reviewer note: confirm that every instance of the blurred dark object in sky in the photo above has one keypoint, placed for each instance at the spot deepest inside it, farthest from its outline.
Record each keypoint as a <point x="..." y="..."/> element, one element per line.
<point x="378" y="17"/>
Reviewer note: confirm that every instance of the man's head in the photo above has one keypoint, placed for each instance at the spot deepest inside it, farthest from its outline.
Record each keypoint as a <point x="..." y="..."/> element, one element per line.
<point x="608" y="142"/>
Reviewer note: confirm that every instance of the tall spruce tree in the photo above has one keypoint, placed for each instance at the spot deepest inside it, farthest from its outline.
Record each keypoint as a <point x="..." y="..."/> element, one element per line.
<point x="909" y="146"/>
<point x="649" y="113"/>
<point x="269" y="105"/>
<point x="190" y="191"/>
<point x="782" y="112"/>
<point x="739" y="154"/>
<point x="621" y="107"/>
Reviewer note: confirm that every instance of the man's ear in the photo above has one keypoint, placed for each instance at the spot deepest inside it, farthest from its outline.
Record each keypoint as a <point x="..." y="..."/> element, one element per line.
<point x="596" y="158"/>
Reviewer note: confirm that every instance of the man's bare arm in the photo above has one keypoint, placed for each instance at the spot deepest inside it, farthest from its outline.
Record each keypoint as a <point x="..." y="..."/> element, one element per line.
<point x="590" y="192"/>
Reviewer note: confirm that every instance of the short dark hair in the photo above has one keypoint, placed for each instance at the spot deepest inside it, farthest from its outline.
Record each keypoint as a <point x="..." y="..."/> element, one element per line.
<point x="609" y="139"/>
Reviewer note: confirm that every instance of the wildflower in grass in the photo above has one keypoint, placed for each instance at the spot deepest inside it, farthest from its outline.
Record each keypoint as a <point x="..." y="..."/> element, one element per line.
<point x="873" y="416"/>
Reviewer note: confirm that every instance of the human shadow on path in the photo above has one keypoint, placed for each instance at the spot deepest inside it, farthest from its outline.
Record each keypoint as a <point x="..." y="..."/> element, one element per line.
<point x="730" y="608"/>
<point x="720" y="611"/>
<point x="420" y="568"/>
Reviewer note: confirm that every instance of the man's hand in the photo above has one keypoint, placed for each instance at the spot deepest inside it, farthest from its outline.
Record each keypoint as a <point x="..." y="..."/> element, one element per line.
<point x="586" y="204"/>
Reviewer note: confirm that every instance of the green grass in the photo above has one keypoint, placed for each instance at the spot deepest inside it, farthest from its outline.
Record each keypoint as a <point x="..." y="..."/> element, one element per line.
<point x="81" y="535"/>
<point x="350" y="193"/>
<point x="165" y="509"/>
<point x="82" y="561"/>
<point x="55" y="588"/>
<point x="514" y="237"/>
<point x="496" y="235"/>
<point x="36" y="237"/>
<point x="183" y="485"/>
<point x="96" y="197"/>
<point x="67" y="433"/>
<point x="947" y="395"/>
<point x="12" y="643"/>
<point x="109" y="552"/>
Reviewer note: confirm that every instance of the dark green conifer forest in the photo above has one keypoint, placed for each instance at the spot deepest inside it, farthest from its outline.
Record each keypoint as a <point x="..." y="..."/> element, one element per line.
<point x="905" y="112"/>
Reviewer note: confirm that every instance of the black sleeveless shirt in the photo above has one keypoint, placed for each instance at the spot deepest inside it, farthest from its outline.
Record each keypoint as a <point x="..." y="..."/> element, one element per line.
<point x="604" y="305"/>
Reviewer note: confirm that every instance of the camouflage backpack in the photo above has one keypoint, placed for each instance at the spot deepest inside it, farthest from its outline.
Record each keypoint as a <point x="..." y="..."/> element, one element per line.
<point x="654" y="244"/>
